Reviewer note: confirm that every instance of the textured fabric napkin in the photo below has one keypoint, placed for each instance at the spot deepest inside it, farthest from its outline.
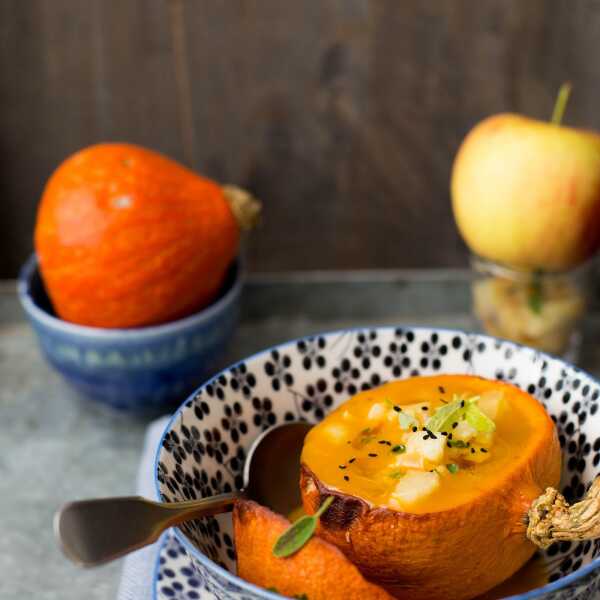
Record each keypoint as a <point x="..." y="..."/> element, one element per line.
<point x="138" y="567"/>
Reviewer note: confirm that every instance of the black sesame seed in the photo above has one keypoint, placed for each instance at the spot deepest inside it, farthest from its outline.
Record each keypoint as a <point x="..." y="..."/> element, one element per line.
<point x="372" y="455"/>
<point x="444" y="433"/>
<point x="346" y="478"/>
<point x="430" y="434"/>
<point x="472" y="450"/>
<point x="384" y="442"/>
<point x="424" y="408"/>
<point x="352" y="460"/>
<point x="449" y="444"/>
<point x="462" y="403"/>
<point x="483" y="450"/>
<point x="397" y="408"/>
<point x="454" y="425"/>
<point x="415" y="429"/>
<point x="442" y="390"/>
<point x="449" y="436"/>
<point x="341" y="466"/>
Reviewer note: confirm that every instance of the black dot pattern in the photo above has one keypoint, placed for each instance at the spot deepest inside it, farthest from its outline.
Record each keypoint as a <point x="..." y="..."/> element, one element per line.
<point x="204" y="451"/>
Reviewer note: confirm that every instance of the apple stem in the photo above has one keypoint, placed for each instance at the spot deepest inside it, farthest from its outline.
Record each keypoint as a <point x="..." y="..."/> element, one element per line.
<point x="561" y="103"/>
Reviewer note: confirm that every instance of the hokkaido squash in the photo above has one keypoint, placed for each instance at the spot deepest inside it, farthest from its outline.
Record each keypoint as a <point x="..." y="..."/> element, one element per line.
<point x="319" y="571"/>
<point x="433" y="479"/>
<point x="126" y="237"/>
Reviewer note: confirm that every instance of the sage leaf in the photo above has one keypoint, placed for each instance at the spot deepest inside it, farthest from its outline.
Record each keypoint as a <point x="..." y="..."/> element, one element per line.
<point x="295" y="536"/>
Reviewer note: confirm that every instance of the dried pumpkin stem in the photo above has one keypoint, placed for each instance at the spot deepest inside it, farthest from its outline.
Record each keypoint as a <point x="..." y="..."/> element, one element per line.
<point x="552" y="519"/>
<point x="245" y="207"/>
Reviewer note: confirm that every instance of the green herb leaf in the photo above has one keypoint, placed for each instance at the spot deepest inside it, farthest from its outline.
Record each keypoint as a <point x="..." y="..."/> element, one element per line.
<point x="479" y="420"/>
<point x="295" y="536"/>
<point x="406" y="420"/>
<point x="536" y="294"/>
<point x="453" y="468"/>
<point x="457" y="444"/>
<point x="445" y="415"/>
<point x="399" y="449"/>
<point x="396" y="474"/>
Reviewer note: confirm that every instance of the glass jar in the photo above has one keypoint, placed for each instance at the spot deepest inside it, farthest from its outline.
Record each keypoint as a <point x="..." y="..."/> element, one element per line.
<point x="538" y="309"/>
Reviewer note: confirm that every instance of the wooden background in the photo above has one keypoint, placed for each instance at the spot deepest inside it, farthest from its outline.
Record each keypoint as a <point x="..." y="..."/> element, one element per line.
<point x="342" y="115"/>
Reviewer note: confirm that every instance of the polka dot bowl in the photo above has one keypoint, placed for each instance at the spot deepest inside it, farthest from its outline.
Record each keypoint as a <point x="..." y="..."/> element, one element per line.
<point x="203" y="448"/>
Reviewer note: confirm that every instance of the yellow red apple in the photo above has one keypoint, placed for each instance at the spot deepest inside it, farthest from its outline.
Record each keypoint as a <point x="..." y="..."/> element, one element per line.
<point x="526" y="193"/>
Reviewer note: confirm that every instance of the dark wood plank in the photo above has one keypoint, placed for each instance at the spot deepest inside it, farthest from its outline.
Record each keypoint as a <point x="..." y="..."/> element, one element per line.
<point x="342" y="115"/>
<point x="72" y="74"/>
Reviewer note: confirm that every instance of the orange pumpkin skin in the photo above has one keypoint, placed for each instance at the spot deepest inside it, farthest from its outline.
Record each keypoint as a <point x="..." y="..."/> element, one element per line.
<point x="318" y="571"/>
<point x="126" y="237"/>
<point x="453" y="554"/>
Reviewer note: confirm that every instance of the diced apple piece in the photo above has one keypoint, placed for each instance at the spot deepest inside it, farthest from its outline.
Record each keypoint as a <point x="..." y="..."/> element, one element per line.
<point x="431" y="449"/>
<point x="463" y="431"/>
<point x="416" y="411"/>
<point x="376" y="412"/>
<point x="492" y="403"/>
<point x="410" y="460"/>
<point x="415" y="486"/>
<point x="336" y="432"/>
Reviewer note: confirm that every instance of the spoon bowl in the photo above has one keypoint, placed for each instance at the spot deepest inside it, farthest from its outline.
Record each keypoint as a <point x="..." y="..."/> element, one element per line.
<point x="93" y="532"/>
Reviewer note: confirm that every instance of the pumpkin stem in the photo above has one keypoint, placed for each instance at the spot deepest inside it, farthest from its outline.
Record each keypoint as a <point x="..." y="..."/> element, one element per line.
<point x="245" y="207"/>
<point x="552" y="519"/>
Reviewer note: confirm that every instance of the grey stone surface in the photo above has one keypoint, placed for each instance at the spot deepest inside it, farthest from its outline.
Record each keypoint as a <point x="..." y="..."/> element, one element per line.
<point x="55" y="447"/>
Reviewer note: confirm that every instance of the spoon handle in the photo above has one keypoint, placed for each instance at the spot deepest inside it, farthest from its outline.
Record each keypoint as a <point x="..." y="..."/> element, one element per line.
<point x="92" y="532"/>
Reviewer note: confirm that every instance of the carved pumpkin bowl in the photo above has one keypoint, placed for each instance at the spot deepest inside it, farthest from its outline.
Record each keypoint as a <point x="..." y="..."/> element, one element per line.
<point x="204" y="446"/>
<point x="138" y="370"/>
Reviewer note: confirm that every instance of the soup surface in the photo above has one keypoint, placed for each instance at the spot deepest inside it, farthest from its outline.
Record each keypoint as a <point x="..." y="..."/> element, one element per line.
<point x="424" y="444"/>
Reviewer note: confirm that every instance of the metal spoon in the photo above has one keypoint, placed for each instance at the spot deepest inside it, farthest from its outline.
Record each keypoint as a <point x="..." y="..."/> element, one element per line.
<point x="92" y="532"/>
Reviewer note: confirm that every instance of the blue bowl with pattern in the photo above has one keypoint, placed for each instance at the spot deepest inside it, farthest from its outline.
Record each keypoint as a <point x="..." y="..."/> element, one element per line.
<point x="204" y="446"/>
<point x="138" y="370"/>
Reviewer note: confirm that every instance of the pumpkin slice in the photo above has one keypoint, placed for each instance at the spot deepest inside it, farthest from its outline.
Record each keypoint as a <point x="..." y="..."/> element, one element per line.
<point x="318" y="571"/>
<point x="432" y="488"/>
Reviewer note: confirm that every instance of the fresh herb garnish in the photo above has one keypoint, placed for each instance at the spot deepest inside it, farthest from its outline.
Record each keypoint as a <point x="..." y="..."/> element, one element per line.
<point x="445" y="415"/>
<point x="479" y="420"/>
<point x="367" y="436"/>
<point x="406" y="420"/>
<point x="399" y="449"/>
<point x="295" y="536"/>
<point x="457" y="444"/>
<point x="452" y="468"/>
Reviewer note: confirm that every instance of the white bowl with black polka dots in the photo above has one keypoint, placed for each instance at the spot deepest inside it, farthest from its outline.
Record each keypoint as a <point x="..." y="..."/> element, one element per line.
<point x="204" y="446"/>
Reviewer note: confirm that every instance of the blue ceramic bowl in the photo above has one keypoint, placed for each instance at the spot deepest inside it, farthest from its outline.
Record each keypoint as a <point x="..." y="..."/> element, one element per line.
<point x="137" y="370"/>
<point x="204" y="446"/>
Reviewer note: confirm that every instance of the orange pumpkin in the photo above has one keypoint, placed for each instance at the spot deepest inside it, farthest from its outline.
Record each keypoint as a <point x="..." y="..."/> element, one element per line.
<point x="319" y="571"/>
<point x="404" y="511"/>
<point x="126" y="237"/>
